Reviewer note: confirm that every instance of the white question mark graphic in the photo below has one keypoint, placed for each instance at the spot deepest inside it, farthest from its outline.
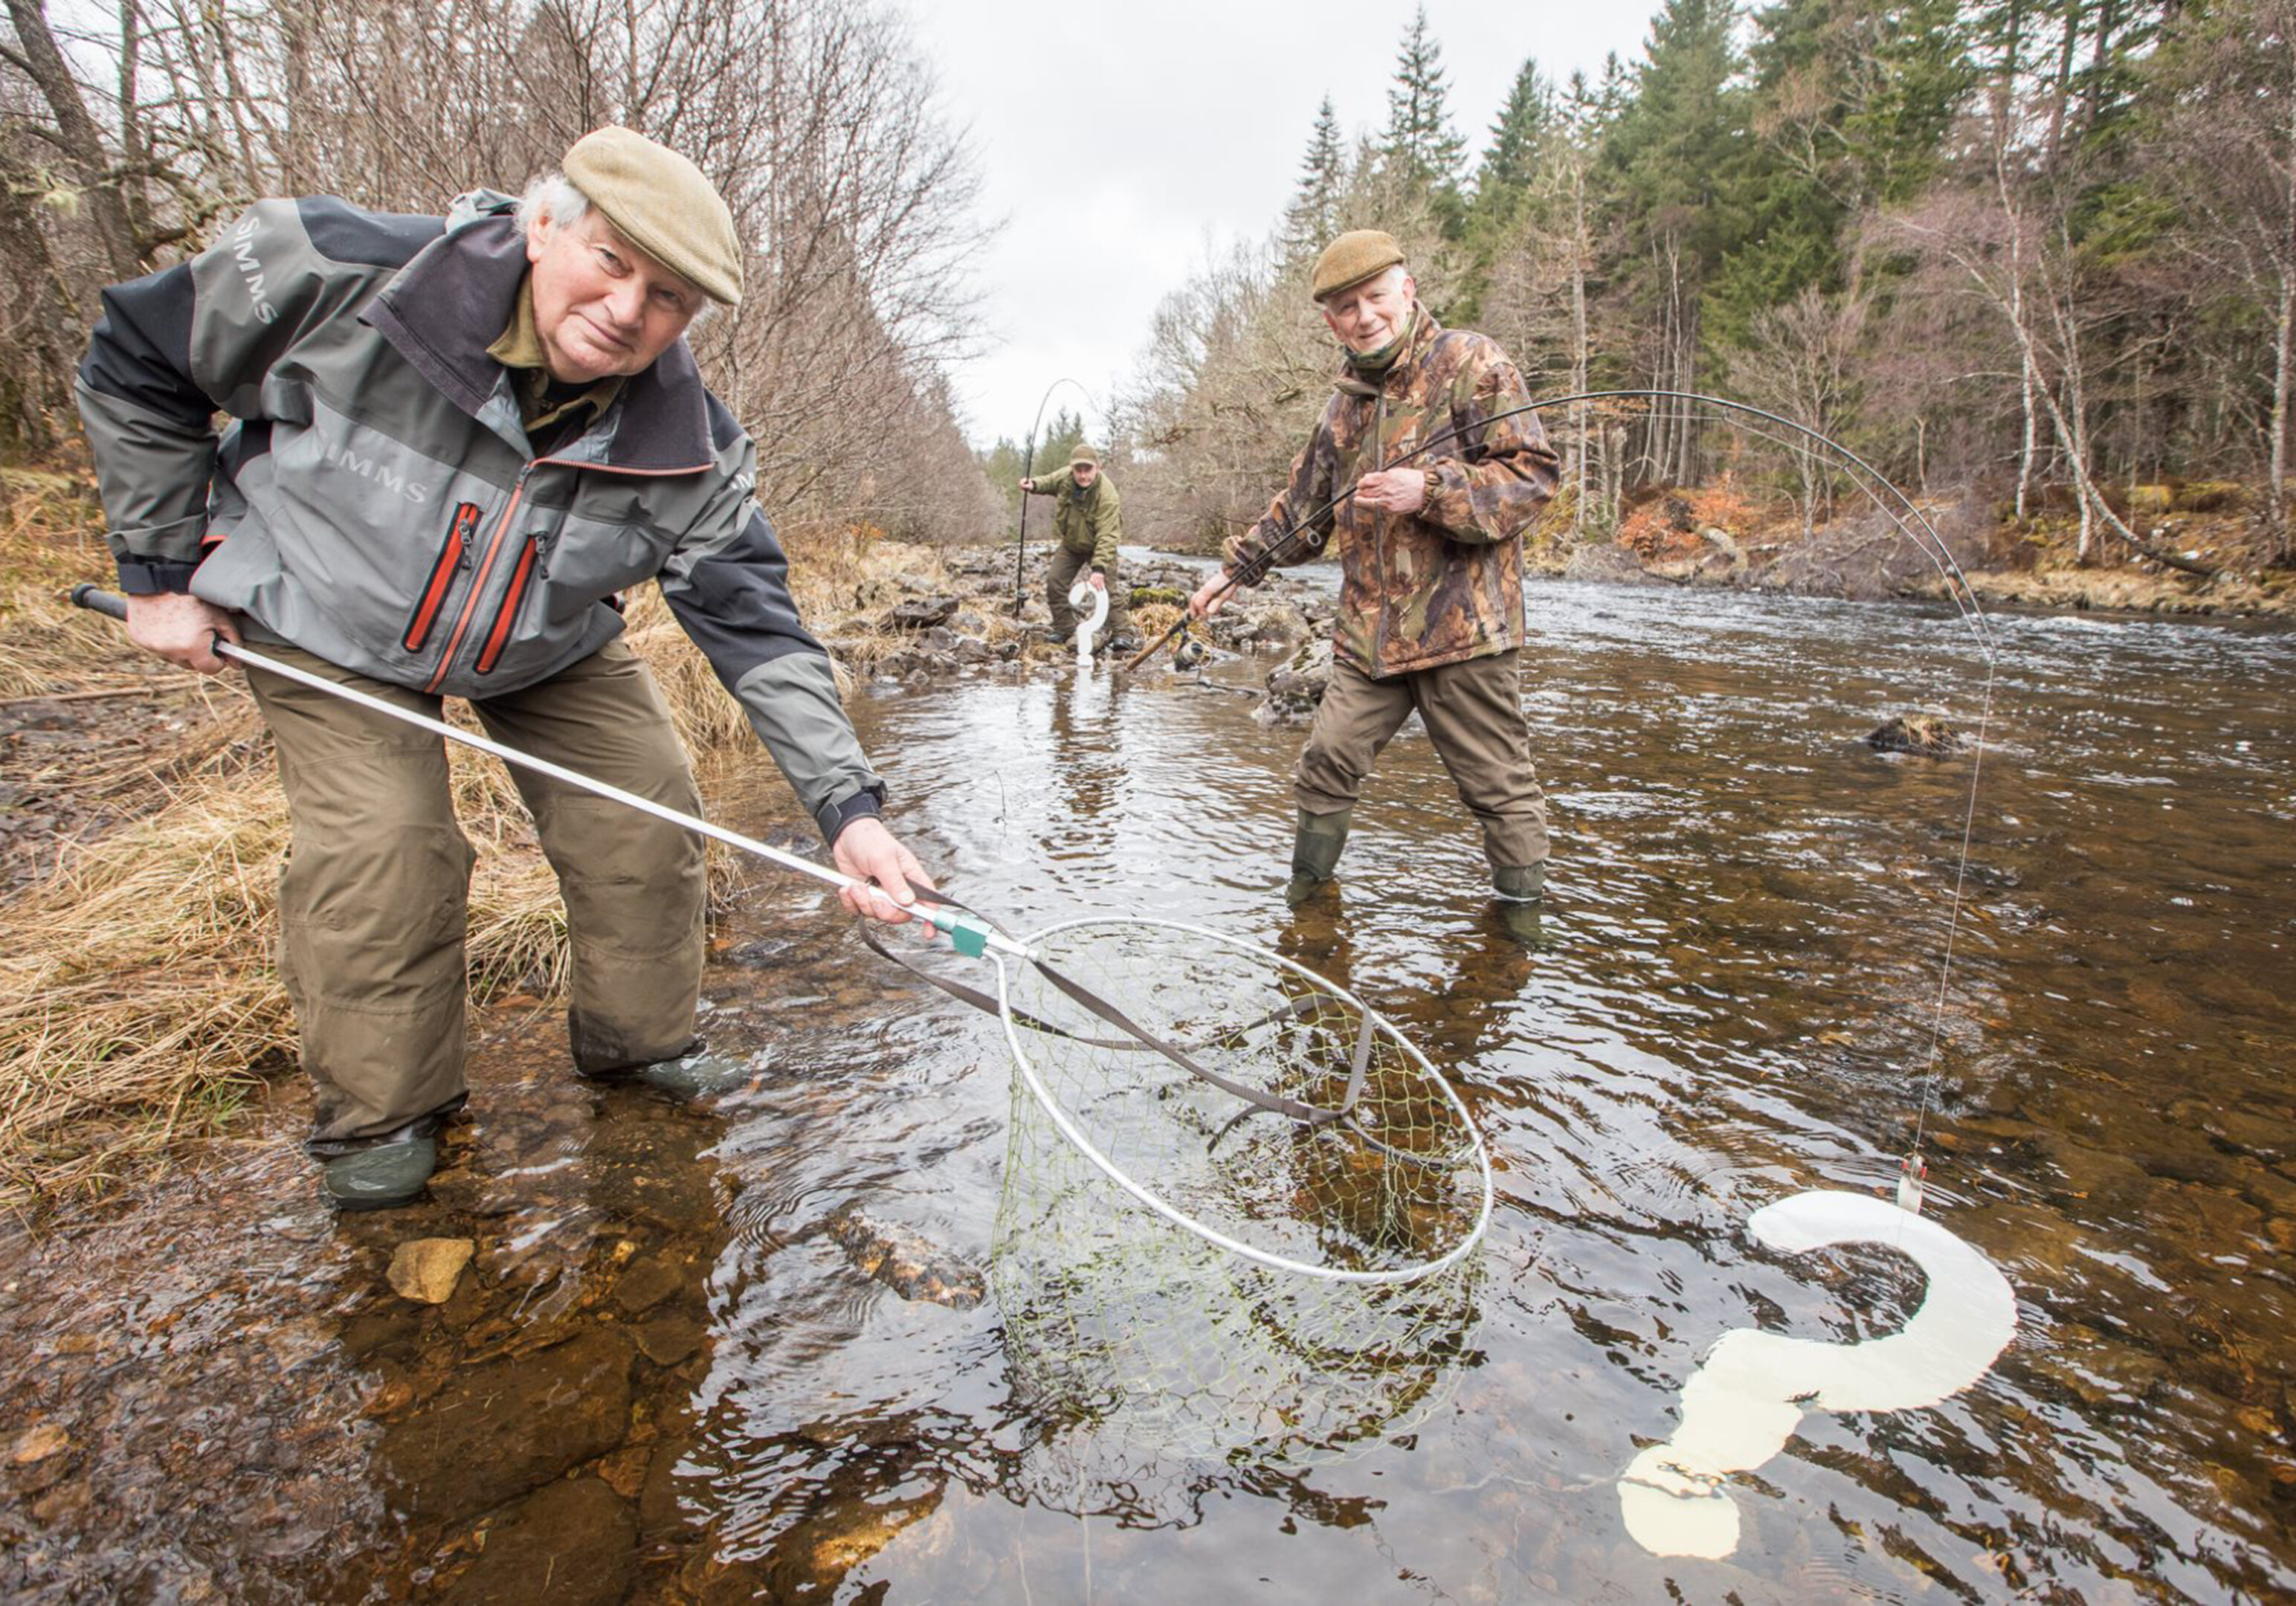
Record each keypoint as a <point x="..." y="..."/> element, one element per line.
<point x="1080" y="593"/>
<point x="1740" y="1405"/>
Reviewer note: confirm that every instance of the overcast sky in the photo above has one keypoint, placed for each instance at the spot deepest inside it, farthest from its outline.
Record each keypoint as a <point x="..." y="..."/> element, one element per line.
<point x="1120" y="145"/>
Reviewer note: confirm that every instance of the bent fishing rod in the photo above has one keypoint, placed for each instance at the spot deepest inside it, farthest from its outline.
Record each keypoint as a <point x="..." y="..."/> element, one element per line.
<point x="1255" y="568"/>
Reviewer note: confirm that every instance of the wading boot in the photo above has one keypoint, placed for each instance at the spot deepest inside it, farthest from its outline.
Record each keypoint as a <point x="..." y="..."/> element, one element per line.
<point x="1316" y="853"/>
<point x="390" y="1172"/>
<point x="694" y="1074"/>
<point x="1521" y="889"/>
<point x="699" y="1074"/>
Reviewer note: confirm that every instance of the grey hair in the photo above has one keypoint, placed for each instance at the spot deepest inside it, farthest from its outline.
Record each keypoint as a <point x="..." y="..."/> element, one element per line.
<point x="551" y="195"/>
<point x="557" y="197"/>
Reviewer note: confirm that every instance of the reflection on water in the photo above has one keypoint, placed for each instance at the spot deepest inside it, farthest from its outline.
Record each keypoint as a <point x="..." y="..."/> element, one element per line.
<point x="1734" y="998"/>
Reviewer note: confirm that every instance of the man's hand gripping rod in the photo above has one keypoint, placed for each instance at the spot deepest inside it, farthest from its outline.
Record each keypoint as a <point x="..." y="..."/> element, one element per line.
<point x="968" y="936"/>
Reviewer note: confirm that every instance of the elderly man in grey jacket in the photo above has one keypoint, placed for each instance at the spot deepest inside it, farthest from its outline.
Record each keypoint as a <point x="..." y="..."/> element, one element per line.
<point x="451" y="443"/>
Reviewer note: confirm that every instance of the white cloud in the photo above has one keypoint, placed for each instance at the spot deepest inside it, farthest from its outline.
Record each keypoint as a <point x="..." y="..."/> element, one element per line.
<point x="1123" y="144"/>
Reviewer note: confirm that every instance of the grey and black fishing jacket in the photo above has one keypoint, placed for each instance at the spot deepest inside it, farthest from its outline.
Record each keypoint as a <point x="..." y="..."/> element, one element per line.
<point x="374" y="498"/>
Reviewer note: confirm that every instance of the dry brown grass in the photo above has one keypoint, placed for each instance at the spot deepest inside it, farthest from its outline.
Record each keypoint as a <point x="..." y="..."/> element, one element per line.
<point x="141" y="1003"/>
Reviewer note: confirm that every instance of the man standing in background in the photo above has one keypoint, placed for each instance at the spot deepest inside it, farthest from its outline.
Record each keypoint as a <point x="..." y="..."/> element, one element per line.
<point x="1430" y="557"/>
<point x="1088" y="519"/>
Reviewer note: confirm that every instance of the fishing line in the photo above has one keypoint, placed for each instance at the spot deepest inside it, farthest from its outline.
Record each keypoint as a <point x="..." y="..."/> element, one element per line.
<point x="1908" y="519"/>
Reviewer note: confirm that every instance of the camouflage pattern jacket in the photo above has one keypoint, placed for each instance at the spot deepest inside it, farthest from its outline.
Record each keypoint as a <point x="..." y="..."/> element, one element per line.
<point x="1089" y="523"/>
<point x="1445" y="583"/>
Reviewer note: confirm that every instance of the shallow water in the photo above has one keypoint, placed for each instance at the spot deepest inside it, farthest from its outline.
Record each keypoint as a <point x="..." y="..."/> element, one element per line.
<point x="665" y="1379"/>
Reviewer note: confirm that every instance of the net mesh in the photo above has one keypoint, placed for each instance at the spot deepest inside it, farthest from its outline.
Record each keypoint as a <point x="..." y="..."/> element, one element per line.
<point x="1299" y="1283"/>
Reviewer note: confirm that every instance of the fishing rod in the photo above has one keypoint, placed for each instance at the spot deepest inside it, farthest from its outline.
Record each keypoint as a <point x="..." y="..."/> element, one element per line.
<point x="969" y="937"/>
<point x="1020" y="552"/>
<point x="1926" y="539"/>
<point x="1910" y="521"/>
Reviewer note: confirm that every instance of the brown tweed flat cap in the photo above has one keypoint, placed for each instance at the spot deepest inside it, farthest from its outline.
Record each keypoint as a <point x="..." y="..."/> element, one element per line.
<point x="1084" y="454"/>
<point x="663" y="204"/>
<point x="1351" y="258"/>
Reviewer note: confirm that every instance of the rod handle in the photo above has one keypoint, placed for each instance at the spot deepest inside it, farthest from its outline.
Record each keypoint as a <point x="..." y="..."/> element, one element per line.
<point x="97" y="600"/>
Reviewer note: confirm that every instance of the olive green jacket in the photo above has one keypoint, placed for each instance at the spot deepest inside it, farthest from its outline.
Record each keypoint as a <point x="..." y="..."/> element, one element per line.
<point x="1089" y="523"/>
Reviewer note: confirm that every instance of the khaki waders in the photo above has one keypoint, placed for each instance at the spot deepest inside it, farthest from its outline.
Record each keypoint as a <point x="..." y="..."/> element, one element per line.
<point x="1061" y="576"/>
<point x="1472" y="710"/>
<point x="374" y="899"/>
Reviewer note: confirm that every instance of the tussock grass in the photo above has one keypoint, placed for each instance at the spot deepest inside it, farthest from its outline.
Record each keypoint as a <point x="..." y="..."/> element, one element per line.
<point x="141" y="1003"/>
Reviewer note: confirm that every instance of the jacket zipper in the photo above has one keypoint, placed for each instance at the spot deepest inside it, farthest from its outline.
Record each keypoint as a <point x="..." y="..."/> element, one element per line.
<point x="499" y="637"/>
<point x="1379" y="538"/>
<point x="456" y="547"/>
<point x="479" y="584"/>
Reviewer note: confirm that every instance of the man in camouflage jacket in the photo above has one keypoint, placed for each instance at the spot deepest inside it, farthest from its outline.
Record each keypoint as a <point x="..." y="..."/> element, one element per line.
<point x="452" y="443"/>
<point x="1430" y="613"/>
<point x="1088" y="524"/>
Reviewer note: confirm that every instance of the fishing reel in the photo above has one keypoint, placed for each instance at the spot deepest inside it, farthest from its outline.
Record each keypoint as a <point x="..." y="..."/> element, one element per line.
<point x="1189" y="651"/>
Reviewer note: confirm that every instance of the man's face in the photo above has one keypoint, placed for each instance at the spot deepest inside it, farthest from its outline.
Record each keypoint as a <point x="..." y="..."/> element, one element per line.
<point x="1368" y="316"/>
<point x="601" y="305"/>
<point x="1086" y="473"/>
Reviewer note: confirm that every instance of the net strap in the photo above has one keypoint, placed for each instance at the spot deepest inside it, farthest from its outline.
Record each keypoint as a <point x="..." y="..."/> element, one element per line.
<point x="1138" y="1035"/>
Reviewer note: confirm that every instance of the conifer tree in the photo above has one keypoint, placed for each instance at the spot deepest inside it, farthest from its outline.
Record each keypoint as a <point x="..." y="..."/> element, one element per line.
<point x="1313" y="216"/>
<point x="1419" y="143"/>
<point x="1523" y="128"/>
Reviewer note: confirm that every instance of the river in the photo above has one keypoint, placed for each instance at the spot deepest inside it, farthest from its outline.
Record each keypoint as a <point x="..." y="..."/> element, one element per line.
<point x="665" y="1380"/>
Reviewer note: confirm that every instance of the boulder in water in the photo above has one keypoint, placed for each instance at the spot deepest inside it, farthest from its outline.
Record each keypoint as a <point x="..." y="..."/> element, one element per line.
<point x="904" y="1262"/>
<point x="1927" y="735"/>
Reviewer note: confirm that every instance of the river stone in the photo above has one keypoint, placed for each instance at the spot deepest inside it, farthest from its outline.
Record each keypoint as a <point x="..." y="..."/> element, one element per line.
<point x="38" y="1442"/>
<point x="426" y="1269"/>
<point x="1926" y="735"/>
<point x="1296" y="686"/>
<point x="497" y="1430"/>
<point x="921" y="613"/>
<point x="905" y="1263"/>
<point x="571" y="1543"/>
<point x="666" y="1341"/>
<point x="648" y="1283"/>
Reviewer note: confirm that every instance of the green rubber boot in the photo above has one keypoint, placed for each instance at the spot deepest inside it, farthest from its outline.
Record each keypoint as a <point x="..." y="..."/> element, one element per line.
<point x="1521" y="889"/>
<point x="1316" y="853"/>
<point x="699" y="1074"/>
<point x="382" y="1176"/>
<point x="1521" y="883"/>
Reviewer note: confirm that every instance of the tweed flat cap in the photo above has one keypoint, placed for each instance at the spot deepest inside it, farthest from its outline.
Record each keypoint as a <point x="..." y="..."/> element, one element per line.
<point x="1084" y="454"/>
<point x="663" y="204"/>
<point x="1351" y="258"/>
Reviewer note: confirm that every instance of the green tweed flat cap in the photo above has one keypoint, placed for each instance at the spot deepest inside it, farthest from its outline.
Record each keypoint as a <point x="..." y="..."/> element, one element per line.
<point x="1084" y="454"/>
<point x="1351" y="258"/>
<point x="664" y="206"/>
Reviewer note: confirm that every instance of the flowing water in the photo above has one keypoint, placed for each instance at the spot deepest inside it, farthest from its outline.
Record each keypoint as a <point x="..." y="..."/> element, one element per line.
<point x="666" y="1379"/>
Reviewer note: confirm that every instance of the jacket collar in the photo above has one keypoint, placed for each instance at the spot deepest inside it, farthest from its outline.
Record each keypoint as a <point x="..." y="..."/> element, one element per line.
<point x="443" y="309"/>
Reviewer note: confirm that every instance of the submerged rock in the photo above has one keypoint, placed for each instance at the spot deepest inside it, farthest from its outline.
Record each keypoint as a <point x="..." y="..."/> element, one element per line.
<point x="1927" y="735"/>
<point x="1296" y="686"/>
<point x="910" y="1266"/>
<point x="426" y="1269"/>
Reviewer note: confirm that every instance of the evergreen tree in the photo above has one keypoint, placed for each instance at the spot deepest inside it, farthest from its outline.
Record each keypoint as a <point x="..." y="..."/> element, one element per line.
<point x="1419" y="143"/>
<point x="1525" y="124"/>
<point x="1313" y="216"/>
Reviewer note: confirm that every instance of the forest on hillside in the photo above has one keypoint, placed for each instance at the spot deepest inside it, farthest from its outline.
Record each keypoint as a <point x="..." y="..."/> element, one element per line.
<point x="133" y="134"/>
<point x="2037" y="252"/>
